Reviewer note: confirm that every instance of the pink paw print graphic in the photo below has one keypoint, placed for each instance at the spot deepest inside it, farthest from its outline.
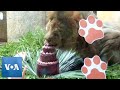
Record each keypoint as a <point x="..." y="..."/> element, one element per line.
<point x="91" y="29"/>
<point x="94" y="68"/>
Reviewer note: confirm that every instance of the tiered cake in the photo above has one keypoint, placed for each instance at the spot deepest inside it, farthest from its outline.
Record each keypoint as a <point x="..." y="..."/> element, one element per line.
<point x="47" y="64"/>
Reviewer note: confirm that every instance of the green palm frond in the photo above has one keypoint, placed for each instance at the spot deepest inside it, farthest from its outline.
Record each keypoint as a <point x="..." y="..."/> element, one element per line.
<point x="31" y="61"/>
<point x="68" y="60"/>
<point x="76" y="74"/>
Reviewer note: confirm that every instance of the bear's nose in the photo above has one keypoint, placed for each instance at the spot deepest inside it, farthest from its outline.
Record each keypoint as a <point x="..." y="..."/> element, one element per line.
<point x="48" y="39"/>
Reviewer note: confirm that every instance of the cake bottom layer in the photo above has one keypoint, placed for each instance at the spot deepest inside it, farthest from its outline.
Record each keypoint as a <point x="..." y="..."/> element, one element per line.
<point x="44" y="68"/>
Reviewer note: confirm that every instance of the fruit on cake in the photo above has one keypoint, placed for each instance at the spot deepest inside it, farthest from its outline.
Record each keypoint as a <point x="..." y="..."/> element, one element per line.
<point x="47" y="64"/>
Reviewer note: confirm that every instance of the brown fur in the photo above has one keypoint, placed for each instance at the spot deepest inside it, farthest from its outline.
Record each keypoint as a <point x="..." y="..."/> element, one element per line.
<point x="62" y="31"/>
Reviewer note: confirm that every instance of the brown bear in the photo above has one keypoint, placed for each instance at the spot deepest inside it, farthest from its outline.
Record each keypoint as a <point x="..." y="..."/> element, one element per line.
<point x="62" y="32"/>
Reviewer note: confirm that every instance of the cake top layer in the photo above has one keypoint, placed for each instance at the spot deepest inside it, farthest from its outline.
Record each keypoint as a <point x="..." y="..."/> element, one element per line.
<point x="48" y="54"/>
<point x="48" y="49"/>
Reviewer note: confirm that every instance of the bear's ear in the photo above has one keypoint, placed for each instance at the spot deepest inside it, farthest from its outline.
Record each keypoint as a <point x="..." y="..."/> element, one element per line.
<point x="61" y="15"/>
<point x="50" y="15"/>
<point x="58" y="14"/>
<point x="77" y="16"/>
<point x="67" y="14"/>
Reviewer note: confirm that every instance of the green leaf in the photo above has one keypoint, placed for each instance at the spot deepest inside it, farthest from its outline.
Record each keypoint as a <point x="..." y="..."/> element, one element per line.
<point x="68" y="60"/>
<point x="70" y="75"/>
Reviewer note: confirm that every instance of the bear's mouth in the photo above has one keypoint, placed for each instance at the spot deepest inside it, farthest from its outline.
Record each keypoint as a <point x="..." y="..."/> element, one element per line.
<point x="53" y="45"/>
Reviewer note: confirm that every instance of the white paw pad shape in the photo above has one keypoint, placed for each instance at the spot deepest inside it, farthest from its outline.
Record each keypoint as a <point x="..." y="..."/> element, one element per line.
<point x="94" y="68"/>
<point x="91" y="29"/>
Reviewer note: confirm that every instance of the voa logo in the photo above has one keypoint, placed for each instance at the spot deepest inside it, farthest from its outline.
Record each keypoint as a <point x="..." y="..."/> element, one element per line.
<point x="12" y="67"/>
<point x="9" y="66"/>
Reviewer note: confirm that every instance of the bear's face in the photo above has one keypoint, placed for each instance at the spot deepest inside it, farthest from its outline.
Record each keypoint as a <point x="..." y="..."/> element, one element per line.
<point x="62" y="32"/>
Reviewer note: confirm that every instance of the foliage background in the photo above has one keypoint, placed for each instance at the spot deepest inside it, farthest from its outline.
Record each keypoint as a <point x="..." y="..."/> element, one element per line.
<point x="32" y="42"/>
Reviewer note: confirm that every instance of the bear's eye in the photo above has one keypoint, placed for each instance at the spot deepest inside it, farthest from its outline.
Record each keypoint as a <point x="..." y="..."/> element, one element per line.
<point x="55" y="34"/>
<point x="51" y="19"/>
